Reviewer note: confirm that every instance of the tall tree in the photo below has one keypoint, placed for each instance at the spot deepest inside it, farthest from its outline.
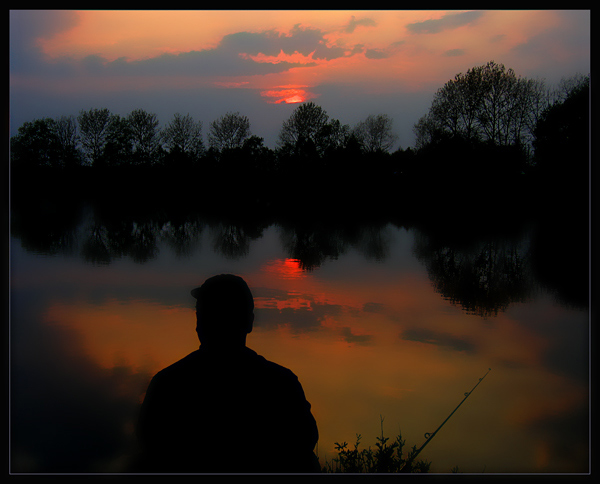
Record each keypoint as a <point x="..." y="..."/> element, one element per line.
<point x="229" y="131"/>
<point x="487" y="103"/>
<point x="562" y="141"/>
<point x="375" y="133"/>
<point x="183" y="135"/>
<point x="35" y="144"/>
<point x="118" y="148"/>
<point x="145" y="137"/>
<point x="306" y="123"/>
<point x="93" y="131"/>
<point x="335" y="135"/>
<point x="65" y="129"/>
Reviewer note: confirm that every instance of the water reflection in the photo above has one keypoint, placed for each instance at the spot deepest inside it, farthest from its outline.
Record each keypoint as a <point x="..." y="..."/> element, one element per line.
<point x="380" y="318"/>
<point x="68" y="412"/>
<point x="232" y="239"/>
<point x="287" y="268"/>
<point x="484" y="277"/>
<point x="484" y="274"/>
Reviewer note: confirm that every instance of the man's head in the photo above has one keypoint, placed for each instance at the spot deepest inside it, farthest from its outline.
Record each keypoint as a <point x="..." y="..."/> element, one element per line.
<point x="224" y="310"/>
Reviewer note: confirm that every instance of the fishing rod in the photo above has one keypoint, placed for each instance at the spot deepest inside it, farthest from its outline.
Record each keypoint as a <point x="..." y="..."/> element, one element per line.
<point x="429" y="436"/>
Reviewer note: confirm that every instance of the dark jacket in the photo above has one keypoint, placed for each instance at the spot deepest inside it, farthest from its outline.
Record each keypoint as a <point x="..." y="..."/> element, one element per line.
<point x="236" y="413"/>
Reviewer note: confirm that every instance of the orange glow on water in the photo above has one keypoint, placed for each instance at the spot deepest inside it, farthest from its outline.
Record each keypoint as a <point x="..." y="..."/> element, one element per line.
<point x="141" y="330"/>
<point x="365" y="341"/>
<point x="288" y="268"/>
<point x="375" y="350"/>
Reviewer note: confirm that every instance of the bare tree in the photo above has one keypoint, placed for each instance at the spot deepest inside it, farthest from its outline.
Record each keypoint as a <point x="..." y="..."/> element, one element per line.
<point x="306" y="123"/>
<point x="65" y="128"/>
<point x="65" y="131"/>
<point x="487" y="103"/>
<point x="375" y="133"/>
<point x="93" y="130"/>
<point x="183" y="135"/>
<point x="229" y="131"/>
<point x="144" y="134"/>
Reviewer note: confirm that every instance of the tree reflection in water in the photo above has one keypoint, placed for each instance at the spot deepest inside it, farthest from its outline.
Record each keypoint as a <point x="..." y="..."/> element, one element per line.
<point x="483" y="278"/>
<point x="232" y="239"/>
<point x="483" y="274"/>
<point x="315" y="243"/>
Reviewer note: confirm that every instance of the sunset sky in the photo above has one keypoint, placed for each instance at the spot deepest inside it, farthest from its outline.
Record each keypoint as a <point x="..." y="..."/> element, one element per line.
<point x="263" y="62"/>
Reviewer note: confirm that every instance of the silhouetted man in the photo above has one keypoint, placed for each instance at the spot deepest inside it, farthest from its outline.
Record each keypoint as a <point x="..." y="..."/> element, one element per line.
<point x="224" y="408"/>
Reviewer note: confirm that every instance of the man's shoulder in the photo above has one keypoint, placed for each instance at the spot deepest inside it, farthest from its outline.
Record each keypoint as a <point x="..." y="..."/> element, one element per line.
<point x="184" y="364"/>
<point x="273" y="370"/>
<point x="247" y="360"/>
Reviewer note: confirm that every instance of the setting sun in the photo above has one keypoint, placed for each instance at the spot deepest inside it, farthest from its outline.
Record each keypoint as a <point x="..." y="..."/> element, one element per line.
<point x="288" y="95"/>
<point x="294" y="99"/>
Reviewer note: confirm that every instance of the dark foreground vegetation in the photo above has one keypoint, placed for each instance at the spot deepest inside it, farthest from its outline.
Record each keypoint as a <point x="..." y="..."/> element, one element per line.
<point x="491" y="141"/>
<point x="387" y="457"/>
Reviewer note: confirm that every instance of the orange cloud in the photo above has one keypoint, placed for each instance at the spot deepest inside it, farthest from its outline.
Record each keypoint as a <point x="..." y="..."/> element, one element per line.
<point x="296" y="58"/>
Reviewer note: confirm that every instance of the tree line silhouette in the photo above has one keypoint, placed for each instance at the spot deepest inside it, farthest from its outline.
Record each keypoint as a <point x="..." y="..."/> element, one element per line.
<point x="487" y="132"/>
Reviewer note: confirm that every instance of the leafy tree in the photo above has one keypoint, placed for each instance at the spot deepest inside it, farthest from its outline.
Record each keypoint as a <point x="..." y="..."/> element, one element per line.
<point x="93" y="130"/>
<point x="67" y="138"/>
<point x="487" y="103"/>
<point x="118" y="148"/>
<point x="145" y="138"/>
<point x="426" y="130"/>
<point x="306" y="124"/>
<point x="183" y="135"/>
<point x="335" y="135"/>
<point x="310" y="133"/>
<point x="567" y="86"/>
<point x="375" y="133"/>
<point x="36" y="144"/>
<point x="562" y="142"/>
<point x="261" y="157"/>
<point x="229" y="131"/>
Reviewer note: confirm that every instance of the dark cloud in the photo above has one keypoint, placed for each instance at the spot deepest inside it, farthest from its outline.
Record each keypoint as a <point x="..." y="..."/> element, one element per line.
<point x="231" y="57"/>
<point x="423" y="335"/>
<point x="216" y="62"/>
<point x="376" y="54"/>
<point x="350" y="337"/>
<point x="454" y="53"/>
<point x="26" y="27"/>
<point x="271" y="43"/>
<point x="353" y="23"/>
<point x="447" y="22"/>
<point x="373" y="307"/>
<point x="383" y="53"/>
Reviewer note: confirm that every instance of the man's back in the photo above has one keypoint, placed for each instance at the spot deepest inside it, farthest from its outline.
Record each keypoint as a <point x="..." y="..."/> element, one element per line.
<point x="239" y="412"/>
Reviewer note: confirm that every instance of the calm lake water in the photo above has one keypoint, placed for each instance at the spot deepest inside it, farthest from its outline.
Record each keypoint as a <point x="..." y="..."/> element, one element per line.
<point x="379" y="321"/>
